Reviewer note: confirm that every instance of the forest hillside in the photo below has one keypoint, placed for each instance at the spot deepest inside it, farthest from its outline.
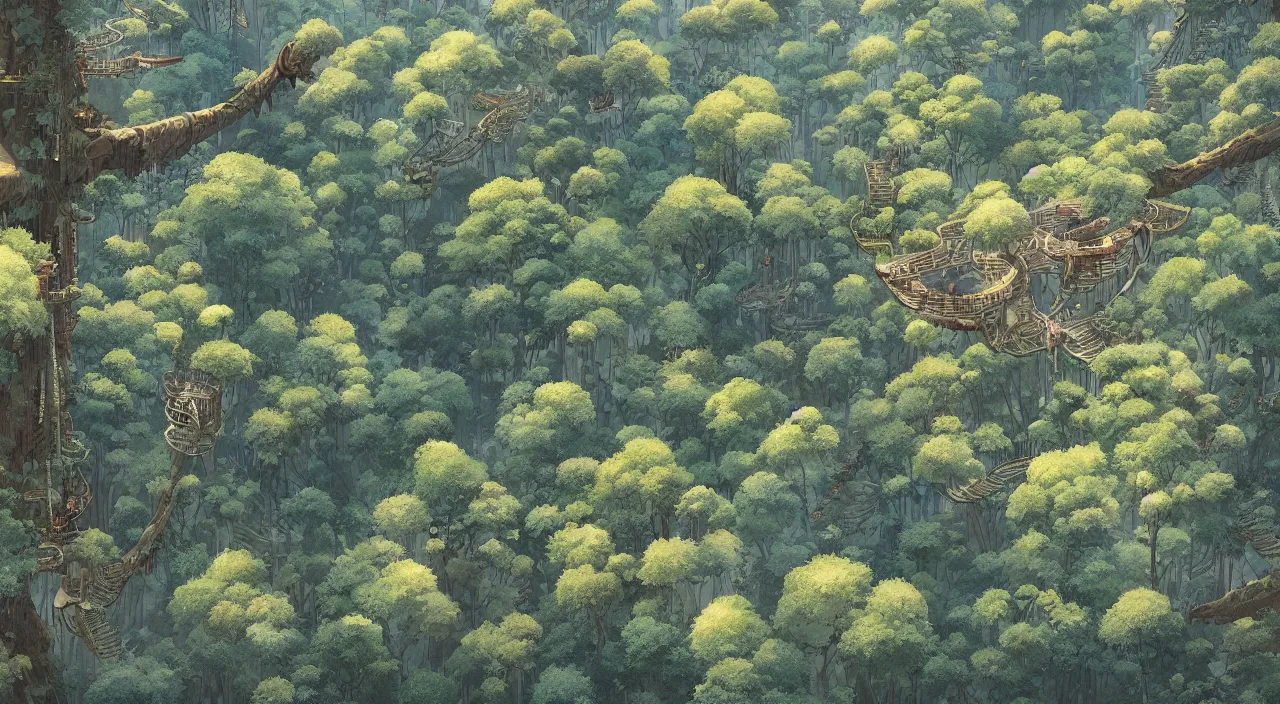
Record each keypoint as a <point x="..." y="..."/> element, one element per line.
<point x="644" y="352"/>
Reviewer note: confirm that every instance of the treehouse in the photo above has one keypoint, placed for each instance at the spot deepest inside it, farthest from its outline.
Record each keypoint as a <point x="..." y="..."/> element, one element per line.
<point x="958" y="287"/>
<point x="193" y="406"/>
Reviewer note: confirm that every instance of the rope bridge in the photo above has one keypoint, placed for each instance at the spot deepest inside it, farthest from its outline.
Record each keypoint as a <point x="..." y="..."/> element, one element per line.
<point x="447" y="147"/>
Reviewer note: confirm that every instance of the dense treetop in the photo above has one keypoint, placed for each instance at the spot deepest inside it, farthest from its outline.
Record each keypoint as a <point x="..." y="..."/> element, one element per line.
<point x="619" y="411"/>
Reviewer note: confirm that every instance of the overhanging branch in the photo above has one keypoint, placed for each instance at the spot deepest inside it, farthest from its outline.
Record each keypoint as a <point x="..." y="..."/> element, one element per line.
<point x="1257" y="143"/>
<point x="136" y="149"/>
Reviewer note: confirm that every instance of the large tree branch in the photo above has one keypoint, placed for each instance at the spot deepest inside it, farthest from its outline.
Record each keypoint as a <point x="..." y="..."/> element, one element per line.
<point x="136" y="149"/>
<point x="1249" y="147"/>
<point x="1248" y="601"/>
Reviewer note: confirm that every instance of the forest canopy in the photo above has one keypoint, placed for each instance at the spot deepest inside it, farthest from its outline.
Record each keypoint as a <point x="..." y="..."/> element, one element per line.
<point x="571" y="352"/>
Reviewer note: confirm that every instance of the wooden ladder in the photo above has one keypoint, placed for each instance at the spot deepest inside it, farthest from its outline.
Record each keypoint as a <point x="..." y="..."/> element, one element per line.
<point x="107" y="584"/>
<point x="99" y="634"/>
<point x="880" y="189"/>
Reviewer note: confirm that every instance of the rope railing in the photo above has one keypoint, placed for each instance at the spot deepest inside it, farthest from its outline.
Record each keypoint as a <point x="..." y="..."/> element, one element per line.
<point x="95" y="629"/>
<point x="103" y="39"/>
<point x="115" y="68"/>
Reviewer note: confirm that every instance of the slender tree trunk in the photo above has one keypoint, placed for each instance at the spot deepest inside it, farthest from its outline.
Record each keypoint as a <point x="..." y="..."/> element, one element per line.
<point x="1153" y="530"/>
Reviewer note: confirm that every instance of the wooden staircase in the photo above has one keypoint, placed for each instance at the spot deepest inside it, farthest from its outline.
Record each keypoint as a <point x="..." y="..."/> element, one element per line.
<point x="107" y="584"/>
<point x="881" y="191"/>
<point x="1203" y="40"/>
<point x="1183" y="48"/>
<point x="1257" y="534"/>
<point x="995" y="480"/>
<point x="99" y="634"/>
<point x="880" y="187"/>
<point x="1155" y="95"/>
<point x="1084" y="340"/>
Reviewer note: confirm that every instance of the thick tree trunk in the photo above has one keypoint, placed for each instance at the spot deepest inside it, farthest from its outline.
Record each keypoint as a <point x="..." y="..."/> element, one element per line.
<point x="43" y="206"/>
<point x="29" y="636"/>
<point x="1153" y="531"/>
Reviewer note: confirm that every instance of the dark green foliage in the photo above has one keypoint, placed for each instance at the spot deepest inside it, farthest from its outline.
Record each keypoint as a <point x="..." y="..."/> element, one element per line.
<point x="620" y="410"/>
